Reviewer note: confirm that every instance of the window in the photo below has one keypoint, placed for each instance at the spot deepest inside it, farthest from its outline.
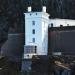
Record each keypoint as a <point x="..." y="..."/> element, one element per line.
<point x="33" y="31"/>
<point x="33" y="22"/>
<point x="30" y="14"/>
<point x="33" y="40"/>
<point x="30" y="49"/>
<point x="36" y="13"/>
<point x="61" y="25"/>
<point x="51" y="24"/>
<point x="67" y="24"/>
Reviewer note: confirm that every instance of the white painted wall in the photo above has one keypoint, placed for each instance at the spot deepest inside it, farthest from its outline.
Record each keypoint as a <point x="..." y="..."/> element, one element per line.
<point x="41" y="31"/>
<point x="64" y="22"/>
<point x="45" y="35"/>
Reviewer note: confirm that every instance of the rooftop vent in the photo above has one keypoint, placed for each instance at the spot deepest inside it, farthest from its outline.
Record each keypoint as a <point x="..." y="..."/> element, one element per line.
<point x="29" y="9"/>
<point x="44" y="8"/>
<point x="61" y="26"/>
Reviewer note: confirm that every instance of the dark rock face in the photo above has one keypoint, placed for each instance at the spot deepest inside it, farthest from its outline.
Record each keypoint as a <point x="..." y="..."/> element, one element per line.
<point x="3" y="30"/>
<point x="61" y="8"/>
<point x="14" y="47"/>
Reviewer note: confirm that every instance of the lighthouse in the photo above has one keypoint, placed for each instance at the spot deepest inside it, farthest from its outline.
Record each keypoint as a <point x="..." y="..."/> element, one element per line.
<point x="36" y="33"/>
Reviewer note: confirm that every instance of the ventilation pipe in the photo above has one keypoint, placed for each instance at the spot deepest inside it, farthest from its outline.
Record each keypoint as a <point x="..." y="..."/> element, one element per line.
<point x="29" y="9"/>
<point x="44" y="8"/>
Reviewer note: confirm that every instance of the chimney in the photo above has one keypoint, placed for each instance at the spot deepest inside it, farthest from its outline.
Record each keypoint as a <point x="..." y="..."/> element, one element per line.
<point x="29" y="9"/>
<point x="44" y="8"/>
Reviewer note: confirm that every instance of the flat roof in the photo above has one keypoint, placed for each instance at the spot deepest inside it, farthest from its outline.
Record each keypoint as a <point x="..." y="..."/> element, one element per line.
<point x="63" y="19"/>
<point x="61" y="28"/>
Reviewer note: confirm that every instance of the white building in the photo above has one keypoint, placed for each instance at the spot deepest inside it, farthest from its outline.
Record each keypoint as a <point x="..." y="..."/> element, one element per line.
<point x="36" y="33"/>
<point x="58" y="22"/>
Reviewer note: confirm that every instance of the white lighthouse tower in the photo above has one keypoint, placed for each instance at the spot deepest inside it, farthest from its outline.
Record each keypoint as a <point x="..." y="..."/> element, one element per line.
<point x="36" y="33"/>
